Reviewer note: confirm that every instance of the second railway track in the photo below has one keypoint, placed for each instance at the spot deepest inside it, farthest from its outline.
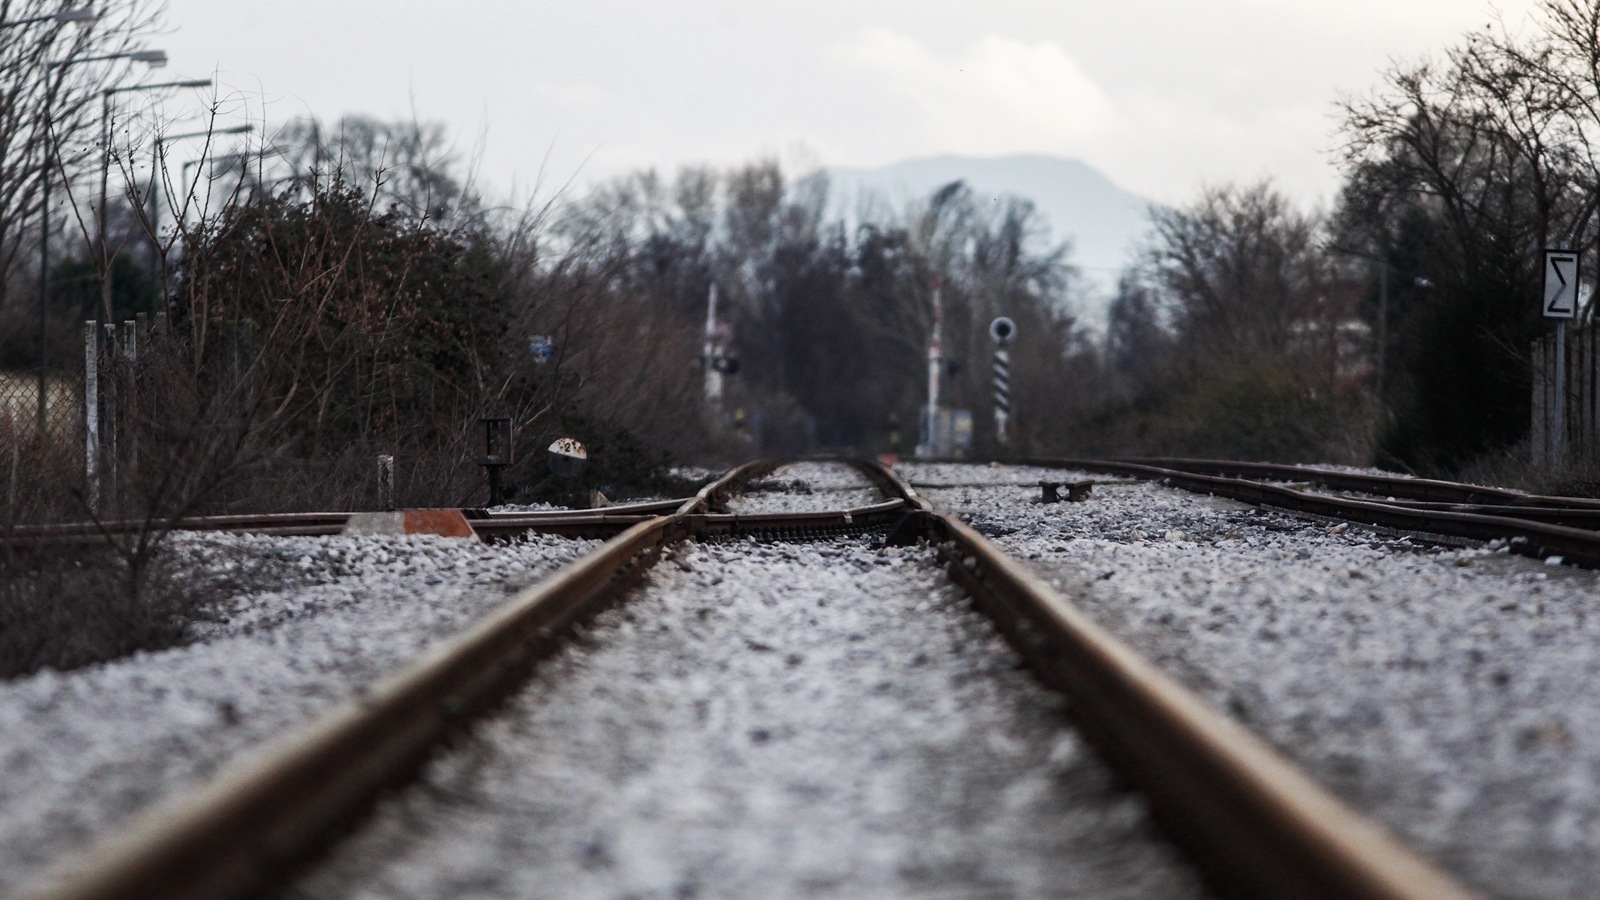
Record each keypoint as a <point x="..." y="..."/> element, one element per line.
<point x="1536" y="526"/>
<point x="1255" y="824"/>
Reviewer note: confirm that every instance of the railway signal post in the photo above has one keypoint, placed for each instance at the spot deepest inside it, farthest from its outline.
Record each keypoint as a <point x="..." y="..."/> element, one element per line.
<point x="1002" y="330"/>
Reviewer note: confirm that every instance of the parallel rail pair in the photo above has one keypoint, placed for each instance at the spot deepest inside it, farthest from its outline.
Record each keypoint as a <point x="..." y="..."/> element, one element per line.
<point x="1256" y="824"/>
<point x="1533" y="525"/>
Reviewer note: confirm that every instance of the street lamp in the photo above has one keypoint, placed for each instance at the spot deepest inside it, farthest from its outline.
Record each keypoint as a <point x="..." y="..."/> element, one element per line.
<point x="149" y="57"/>
<point x="155" y="169"/>
<point x="84" y="14"/>
<point x="105" y="164"/>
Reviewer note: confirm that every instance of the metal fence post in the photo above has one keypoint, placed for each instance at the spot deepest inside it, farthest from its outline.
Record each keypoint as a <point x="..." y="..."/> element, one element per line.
<point x="91" y="412"/>
<point x="108" y="414"/>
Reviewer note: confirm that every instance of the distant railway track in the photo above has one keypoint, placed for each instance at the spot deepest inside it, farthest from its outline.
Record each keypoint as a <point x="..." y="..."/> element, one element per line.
<point x="1535" y="526"/>
<point x="1255" y="823"/>
<point x="489" y="525"/>
<point x="1383" y="486"/>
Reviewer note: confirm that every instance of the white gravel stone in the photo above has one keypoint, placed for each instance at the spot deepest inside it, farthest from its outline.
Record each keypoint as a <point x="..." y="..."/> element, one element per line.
<point x="779" y="720"/>
<point x="1445" y="692"/>
<point x="807" y="487"/>
<point x="82" y="750"/>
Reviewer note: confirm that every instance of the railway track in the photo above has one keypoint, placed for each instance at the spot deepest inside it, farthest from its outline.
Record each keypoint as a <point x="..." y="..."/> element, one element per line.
<point x="1253" y="822"/>
<point x="487" y="525"/>
<point x="1535" y="526"/>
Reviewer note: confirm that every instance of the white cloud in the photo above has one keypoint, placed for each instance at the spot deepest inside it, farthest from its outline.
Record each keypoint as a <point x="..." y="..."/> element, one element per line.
<point x="997" y="96"/>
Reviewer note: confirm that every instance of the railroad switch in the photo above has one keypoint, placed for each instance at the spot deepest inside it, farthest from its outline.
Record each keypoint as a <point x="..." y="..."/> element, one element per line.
<point x="1077" y="491"/>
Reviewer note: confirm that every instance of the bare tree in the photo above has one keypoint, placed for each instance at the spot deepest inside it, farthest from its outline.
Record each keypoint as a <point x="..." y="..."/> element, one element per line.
<point x="1242" y="273"/>
<point x="408" y="165"/>
<point x="1477" y="160"/>
<point x="45" y="104"/>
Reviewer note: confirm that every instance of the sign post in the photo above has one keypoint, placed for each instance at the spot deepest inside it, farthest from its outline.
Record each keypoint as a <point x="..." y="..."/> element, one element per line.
<point x="1561" y="304"/>
<point x="931" y="446"/>
<point x="709" y="354"/>
<point x="1002" y="330"/>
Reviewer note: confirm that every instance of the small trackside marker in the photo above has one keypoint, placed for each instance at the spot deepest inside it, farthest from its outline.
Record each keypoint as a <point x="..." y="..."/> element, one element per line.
<point x="444" y="522"/>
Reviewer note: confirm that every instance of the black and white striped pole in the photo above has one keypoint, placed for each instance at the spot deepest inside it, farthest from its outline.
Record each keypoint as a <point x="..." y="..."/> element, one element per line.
<point x="1002" y="330"/>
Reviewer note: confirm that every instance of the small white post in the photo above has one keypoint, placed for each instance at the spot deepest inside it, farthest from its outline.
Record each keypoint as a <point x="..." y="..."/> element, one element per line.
<point x="709" y="354"/>
<point x="112" y="400"/>
<point x="385" y="482"/>
<point x="932" y="438"/>
<point x="91" y="412"/>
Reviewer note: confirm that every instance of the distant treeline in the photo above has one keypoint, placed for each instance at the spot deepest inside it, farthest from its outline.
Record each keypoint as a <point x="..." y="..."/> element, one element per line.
<point x="392" y="305"/>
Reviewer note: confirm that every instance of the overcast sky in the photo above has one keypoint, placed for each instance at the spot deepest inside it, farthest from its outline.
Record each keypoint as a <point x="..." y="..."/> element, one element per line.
<point x="1160" y="95"/>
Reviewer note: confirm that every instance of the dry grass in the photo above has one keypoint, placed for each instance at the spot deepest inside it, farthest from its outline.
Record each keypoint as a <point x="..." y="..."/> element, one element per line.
<point x="1577" y="476"/>
<point x="64" y="612"/>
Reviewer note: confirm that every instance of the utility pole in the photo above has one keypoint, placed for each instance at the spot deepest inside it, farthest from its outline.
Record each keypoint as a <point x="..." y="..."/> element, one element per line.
<point x="709" y="354"/>
<point x="1383" y="322"/>
<point x="931" y="444"/>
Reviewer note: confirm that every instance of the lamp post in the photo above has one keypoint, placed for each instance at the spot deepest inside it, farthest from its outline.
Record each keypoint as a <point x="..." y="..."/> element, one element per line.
<point x="154" y="58"/>
<point x="155" y="169"/>
<point x="84" y="14"/>
<point x="105" y="170"/>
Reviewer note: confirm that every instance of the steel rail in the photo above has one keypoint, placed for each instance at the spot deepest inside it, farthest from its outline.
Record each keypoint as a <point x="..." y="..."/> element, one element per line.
<point x="270" y="809"/>
<point x="500" y="523"/>
<point x="714" y="496"/>
<point x="187" y="523"/>
<point x="1379" y="486"/>
<point x="1540" y="540"/>
<point x="601" y="522"/>
<point x="1254" y="822"/>
<point x="1571" y="517"/>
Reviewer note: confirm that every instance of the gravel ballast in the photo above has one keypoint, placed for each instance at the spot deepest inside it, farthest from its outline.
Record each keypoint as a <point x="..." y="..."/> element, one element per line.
<point x="83" y="750"/>
<point x="1445" y="691"/>
<point x="806" y="487"/>
<point x="770" y="720"/>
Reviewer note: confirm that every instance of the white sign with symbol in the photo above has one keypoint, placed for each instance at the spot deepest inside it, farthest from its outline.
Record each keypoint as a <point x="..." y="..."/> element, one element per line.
<point x="1560" y="284"/>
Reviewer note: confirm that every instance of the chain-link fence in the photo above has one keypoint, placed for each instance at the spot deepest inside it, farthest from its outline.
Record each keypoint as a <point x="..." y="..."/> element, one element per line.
<point x="59" y="434"/>
<point x="41" y="435"/>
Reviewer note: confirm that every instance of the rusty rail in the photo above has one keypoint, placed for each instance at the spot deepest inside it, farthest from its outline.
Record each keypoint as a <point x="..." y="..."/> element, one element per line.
<point x="1256" y="824"/>
<point x="1428" y="490"/>
<point x="270" y="808"/>
<point x="1526" y="536"/>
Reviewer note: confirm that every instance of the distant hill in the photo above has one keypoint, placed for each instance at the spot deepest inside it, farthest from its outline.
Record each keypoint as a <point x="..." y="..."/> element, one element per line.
<point x="1103" y="221"/>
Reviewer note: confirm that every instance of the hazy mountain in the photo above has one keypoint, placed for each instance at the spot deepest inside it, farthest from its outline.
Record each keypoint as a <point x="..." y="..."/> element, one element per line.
<point x="1103" y="221"/>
